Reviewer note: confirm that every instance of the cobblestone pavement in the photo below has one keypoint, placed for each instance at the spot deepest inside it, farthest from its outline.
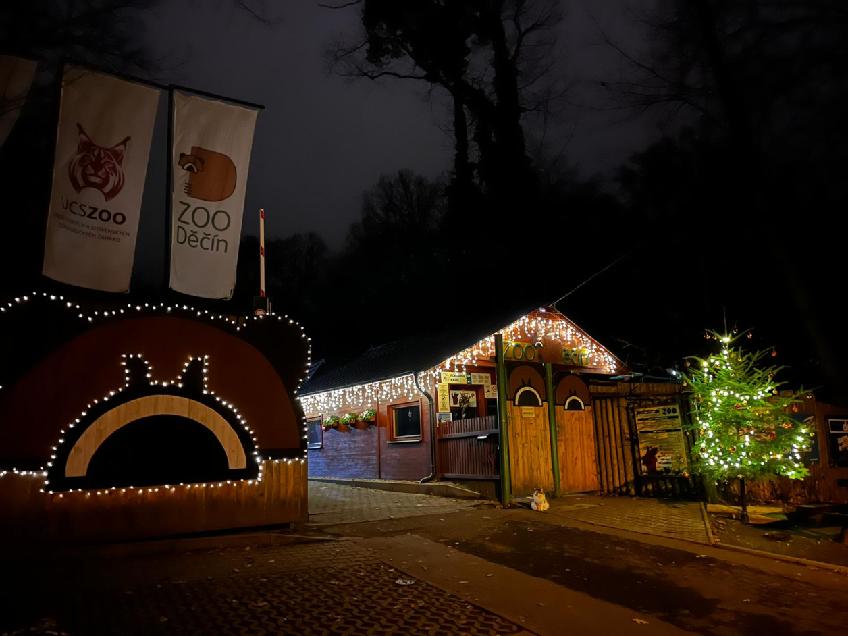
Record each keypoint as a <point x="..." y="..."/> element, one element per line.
<point x="329" y="587"/>
<point x="674" y="519"/>
<point x="331" y="504"/>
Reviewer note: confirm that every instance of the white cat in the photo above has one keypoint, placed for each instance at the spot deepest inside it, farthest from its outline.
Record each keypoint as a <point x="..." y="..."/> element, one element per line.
<point x="540" y="502"/>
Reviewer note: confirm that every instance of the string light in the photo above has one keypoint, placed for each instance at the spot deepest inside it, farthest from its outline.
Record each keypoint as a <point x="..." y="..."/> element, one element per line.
<point x="238" y="324"/>
<point x="744" y="425"/>
<point x="536" y="326"/>
<point x="359" y="396"/>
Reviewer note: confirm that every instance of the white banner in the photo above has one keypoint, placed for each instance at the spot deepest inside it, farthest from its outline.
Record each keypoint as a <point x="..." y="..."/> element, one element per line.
<point x="102" y="146"/>
<point x="210" y="159"/>
<point x="15" y="79"/>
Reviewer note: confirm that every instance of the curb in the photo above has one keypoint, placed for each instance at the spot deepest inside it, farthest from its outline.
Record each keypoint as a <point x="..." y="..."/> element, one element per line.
<point x="706" y="518"/>
<point x="437" y="489"/>
<point x="575" y="523"/>
<point x="714" y="543"/>
<point x="823" y="565"/>
<point x="820" y="565"/>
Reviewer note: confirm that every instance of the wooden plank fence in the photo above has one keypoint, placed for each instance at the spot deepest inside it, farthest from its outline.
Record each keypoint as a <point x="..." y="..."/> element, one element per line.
<point x="468" y="449"/>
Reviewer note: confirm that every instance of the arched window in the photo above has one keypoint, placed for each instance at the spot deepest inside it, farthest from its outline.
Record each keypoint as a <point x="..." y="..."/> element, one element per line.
<point x="574" y="403"/>
<point x="528" y="396"/>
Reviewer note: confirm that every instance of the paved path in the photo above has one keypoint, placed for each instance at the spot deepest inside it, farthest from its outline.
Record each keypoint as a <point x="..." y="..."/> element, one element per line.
<point x="332" y="587"/>
<point x="332" y="504"/>
<point x="673" y="519"/>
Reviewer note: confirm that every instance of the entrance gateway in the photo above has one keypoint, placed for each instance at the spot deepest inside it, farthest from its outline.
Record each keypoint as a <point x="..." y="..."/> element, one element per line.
<point x="565" y="422"/>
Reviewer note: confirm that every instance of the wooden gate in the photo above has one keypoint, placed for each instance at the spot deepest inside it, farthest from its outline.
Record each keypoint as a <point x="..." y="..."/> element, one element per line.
<point x="578" y="458"/>
<point x="529" y="449"/>
<point x="468" y="449"/>
<point x="617" y="471"/>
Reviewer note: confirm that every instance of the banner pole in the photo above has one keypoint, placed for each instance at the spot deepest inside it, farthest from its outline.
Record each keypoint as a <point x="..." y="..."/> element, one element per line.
<point x="262" y="252"/>
<point x="169" y="194"/>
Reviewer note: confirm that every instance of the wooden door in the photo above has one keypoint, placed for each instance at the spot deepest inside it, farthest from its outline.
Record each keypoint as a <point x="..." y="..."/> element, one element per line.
<point x="529" y="449"/>
<point x="578" y="459"/>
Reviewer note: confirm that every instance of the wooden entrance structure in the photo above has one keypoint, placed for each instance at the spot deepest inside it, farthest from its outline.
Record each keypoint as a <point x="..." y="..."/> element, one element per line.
<point x="578" y="459"/>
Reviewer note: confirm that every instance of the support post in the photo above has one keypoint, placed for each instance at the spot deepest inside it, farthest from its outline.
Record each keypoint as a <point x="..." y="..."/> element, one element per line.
<point x="743" y="500"/>
<point x="549" y="387"/>
<point x="503" y="421"/>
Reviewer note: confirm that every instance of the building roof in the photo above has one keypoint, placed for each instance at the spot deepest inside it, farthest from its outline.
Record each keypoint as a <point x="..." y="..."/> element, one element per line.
<point x="410" y="355"/>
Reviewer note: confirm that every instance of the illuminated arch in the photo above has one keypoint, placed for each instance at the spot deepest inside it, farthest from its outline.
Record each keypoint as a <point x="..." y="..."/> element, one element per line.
<point x="532" y="396"/>
<point x="113" y="420"/>
<point x="574" y="403"/>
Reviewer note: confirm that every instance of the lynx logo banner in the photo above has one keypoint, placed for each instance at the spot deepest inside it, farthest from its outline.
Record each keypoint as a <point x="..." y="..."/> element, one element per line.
<point x="102" y="147"/>
<point x="210" y="160"/>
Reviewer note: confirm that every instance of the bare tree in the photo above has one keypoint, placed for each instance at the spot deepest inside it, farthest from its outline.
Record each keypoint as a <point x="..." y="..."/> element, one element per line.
<point x="490" y="56"/>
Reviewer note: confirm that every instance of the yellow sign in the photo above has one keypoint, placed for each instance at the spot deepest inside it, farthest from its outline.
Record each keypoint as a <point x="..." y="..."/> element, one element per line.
<point x="450" y="377"/>
<point x="444" y="398"/>
<point x="528" y="411"/>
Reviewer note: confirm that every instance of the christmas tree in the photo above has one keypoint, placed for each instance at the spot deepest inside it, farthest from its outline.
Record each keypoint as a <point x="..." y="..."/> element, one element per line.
<point x="742" y="420"/>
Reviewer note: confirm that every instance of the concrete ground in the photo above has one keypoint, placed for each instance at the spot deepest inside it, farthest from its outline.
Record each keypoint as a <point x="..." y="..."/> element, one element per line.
<point x="391" y="563"/>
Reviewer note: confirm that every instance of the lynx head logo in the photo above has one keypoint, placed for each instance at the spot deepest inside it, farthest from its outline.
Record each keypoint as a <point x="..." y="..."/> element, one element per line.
<point x="211" y="175"/>
<point x="98" y="167"/>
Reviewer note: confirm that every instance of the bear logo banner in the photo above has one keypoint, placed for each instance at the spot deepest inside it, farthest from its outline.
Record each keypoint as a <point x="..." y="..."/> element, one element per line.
<point x="102" y="147"/>
<point x="212" y="141"/>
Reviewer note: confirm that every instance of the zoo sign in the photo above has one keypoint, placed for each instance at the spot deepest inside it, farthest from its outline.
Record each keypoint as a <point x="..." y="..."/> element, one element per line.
<point x="549" y="351"/>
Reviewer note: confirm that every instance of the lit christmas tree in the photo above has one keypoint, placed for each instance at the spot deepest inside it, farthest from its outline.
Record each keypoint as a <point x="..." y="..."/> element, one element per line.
<point x="743" y="423"/>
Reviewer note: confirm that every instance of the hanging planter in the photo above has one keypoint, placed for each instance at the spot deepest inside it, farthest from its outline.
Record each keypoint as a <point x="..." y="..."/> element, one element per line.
<point x="347" y="421"/>
<point x="330" y="422"/>
<point x="368" y="418"/>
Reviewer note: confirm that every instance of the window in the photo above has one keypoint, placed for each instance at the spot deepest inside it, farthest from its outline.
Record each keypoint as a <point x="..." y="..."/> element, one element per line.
<point x="314" y="433"/>
<point x="406" y="423"/>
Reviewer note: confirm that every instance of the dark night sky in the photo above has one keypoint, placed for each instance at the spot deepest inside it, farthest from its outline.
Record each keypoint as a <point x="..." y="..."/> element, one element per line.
<point x="323" y="140"/>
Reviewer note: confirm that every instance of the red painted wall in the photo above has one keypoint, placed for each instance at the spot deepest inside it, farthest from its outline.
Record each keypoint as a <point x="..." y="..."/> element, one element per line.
<point x="404" y="460"/>
<point x="351" y="454"/>
<point x="370" y="453"/>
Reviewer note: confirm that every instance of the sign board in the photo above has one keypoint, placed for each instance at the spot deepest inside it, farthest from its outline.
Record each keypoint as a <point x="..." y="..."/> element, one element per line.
<point x="490" y="392"/>
<point x="528" y="411"/>
<point x="547" y="350"/>
<point x="837" y="429"/>
<point x="450" y="377"/>
<point x="662" y="445"/>
<point x="444" y="397"/>
<point x="459" y="398"/>
<point x="481" y="378"/>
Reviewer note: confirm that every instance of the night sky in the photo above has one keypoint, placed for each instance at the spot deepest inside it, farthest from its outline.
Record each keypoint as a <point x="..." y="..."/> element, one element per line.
<point x="717" y="207"/>
<point x="322" y="140"/>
